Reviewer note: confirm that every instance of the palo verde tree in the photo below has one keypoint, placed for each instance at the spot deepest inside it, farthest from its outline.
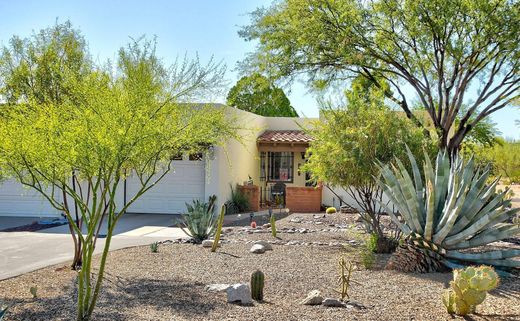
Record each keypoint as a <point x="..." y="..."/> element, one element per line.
<point x="348" y="141"/>
<point x="128" y="119"/>
<point x="259" y="95"/>
<point x="441" y="54"/>
<point x="43" y="69"/>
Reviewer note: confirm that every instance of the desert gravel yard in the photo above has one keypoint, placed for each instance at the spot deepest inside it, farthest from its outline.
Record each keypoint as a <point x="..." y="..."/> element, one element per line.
<point x="170" y="284"/>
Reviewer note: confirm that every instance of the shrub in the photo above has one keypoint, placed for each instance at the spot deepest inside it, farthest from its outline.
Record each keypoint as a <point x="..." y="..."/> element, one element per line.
<point x="469" y="288"/>
<point x="331" y="210"/>
<point x="200" y="223"/>
<point x="371" y="244"/>
<point x="368" y="259"/>
<point x="238" y="203"/>
<point x="154" y="247"/>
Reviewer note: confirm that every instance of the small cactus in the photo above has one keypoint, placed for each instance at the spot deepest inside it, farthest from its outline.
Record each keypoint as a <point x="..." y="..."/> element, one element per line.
<point x="469" y="288"/>
<point x="154" y="247"/>
<point x="219" y="228"/>
<point x="34" y="291"/>
<point x="257" y="285"/>
<point x="273" y="225"/>
<point x="344" y="279"/>
<point x="331" y="210"/>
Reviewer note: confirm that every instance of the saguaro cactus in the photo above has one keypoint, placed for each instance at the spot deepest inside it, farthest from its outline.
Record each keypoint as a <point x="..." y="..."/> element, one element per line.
<point x="257" y="285"/>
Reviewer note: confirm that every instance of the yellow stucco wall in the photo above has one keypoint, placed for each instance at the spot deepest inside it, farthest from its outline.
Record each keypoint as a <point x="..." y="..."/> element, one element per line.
<point x="233" y="163"/>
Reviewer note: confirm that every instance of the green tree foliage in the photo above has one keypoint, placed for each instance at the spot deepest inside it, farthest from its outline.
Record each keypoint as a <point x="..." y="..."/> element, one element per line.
<point x="128" y="119"/>
<point x="349" y="140"/>
<point x="259" y="95"/>
<point x="448" y="52"/>
<point x="504" y="159"/>
<point x="42" y="67"/>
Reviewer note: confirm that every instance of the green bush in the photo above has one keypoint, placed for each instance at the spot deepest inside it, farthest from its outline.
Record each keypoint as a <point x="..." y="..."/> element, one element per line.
<point x="371" y="244"/>
<point x="368" y="258"/>
<point x="331" y="210"/>
<point x="238" y="203"/>
<point x="200" y="221"/>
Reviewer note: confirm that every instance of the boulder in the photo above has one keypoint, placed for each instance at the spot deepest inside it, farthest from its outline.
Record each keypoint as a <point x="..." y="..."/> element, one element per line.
<point x="267" y="246"/>
<point x="313" y="298"/>
<point x="257" y="249"/>
<point x="239" y="293"/>
<point x="335" y="303"/>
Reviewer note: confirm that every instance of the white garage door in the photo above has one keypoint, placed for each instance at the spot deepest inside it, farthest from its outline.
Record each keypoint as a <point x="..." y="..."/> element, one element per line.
<point x="184" y="183"/>
<point x="15" y="199"/>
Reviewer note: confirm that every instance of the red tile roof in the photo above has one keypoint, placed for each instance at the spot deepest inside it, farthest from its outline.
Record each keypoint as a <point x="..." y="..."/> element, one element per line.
<point x="284" y="136"/>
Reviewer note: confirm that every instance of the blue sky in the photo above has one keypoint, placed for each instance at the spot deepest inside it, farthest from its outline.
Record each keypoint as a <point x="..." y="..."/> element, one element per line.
<point x="206" y="27"/>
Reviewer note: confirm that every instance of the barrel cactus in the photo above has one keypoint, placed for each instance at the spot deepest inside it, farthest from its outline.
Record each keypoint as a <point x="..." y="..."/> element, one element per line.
<point x="257" y="285"/>
<point x="331" y="210"/>
<point x="447" y="211"/>
<point x="469" y="289"/>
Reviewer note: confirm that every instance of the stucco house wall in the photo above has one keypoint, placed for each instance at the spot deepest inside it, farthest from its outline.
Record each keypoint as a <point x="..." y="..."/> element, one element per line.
<point x="233" y="163"/>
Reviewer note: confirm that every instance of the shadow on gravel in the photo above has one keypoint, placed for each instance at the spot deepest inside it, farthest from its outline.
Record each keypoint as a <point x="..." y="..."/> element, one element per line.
<point x="174" y="296"/>
<point x="493" y="317"/>
<point x="121" y="299"/>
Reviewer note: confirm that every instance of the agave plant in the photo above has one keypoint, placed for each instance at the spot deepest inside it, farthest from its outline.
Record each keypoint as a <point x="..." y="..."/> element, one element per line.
<point x="200" y="221"/>
<point x="446" y="213"/>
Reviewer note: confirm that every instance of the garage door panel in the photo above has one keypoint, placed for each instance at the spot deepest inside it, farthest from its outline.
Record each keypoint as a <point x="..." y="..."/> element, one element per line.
<point x="15" y="199"/>
<point x="181" y="185"/>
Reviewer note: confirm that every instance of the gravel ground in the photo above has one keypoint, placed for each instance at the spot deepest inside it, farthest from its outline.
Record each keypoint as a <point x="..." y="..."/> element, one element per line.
<point x="169" y="285"/>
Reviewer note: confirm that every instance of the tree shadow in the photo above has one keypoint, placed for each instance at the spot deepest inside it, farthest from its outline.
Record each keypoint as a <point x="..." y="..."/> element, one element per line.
<point x="173" y="296"/>
<point x="492" y="317"/>
<point x="119" y="297"/>
<point x="232" y="255"/>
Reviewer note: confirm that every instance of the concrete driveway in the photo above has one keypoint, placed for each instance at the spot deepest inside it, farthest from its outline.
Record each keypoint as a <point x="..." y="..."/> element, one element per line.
<point x="22" y="252"/>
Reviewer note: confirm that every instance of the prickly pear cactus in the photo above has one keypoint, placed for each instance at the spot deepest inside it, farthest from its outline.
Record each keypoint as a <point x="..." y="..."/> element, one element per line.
<point x="257" y="285"/>
<point x="469" y="289"/>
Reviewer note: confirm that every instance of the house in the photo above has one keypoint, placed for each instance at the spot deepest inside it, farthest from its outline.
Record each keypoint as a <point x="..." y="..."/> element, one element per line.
<point x="271" y="153"/>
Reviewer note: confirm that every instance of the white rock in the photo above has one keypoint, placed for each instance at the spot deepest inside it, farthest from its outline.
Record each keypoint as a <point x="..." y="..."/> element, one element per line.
<point x="257" y="248"/>
<point x="239" y="293"/>
<point x="209" y="243"/>
<point x="267" y="246"/>
<point x="313" y="298"/>
<point x="217" y="287"/>
<point x="330" y="302"/>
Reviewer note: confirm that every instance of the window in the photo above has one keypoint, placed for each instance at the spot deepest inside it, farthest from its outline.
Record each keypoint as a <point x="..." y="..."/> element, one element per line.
<point x="177" y="157"/>
<point x="276" y="166"/>
<point x="195" y="157"/>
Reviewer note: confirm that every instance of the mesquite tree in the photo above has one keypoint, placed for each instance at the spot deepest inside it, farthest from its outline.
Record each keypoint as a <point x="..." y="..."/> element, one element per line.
<point x="347" y="142"/>
<point x="126" y="119"/>
<point x="437" y="53"/>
